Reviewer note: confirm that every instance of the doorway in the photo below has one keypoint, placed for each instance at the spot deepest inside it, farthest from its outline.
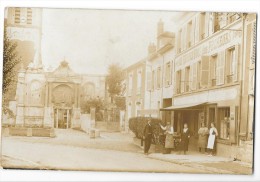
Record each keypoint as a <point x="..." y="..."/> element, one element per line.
<point x="62" y="118"/>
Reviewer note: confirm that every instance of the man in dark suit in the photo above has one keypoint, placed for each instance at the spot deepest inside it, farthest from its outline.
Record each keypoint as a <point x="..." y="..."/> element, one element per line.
<point x="147" y="136"/>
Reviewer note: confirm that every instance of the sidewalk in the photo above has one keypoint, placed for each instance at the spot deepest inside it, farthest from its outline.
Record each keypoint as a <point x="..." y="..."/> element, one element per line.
<point x="215" y="164"/>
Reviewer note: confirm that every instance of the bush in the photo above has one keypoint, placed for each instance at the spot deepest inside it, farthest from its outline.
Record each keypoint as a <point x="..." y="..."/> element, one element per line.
<point x="137" y="125"/>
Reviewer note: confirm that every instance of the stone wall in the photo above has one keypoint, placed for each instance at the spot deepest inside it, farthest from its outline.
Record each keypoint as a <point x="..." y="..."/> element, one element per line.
<point x="243" y="152"/>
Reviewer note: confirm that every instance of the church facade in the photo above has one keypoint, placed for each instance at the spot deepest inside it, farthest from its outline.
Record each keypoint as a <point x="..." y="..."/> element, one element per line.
<point x="49" y="99"/>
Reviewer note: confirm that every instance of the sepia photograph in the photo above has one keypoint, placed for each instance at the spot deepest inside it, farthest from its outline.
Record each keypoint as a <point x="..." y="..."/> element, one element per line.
<point x="128" y="90"/>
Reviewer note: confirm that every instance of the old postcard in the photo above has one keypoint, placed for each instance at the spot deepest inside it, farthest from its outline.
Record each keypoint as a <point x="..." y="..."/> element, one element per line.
<point x="135" y="91"/>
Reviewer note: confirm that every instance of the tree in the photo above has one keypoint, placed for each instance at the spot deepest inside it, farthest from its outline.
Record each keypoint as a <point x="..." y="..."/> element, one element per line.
<point x="10" y="61"/>
<point x="114" y="80"/>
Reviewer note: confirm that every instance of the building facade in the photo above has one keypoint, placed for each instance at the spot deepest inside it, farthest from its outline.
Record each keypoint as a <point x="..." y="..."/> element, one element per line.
<point x="204" y="75"/>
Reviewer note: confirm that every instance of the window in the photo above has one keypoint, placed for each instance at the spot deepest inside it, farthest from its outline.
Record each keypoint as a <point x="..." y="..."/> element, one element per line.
<point x="130" y="83"/>
<point x="224" y="122"/>
<point x="231" y="17"/>
<point x="153" y="79"/>
<point x="159" y="77"/>
<point x="213" y="62"/>
<point x="199" y="75"/>
<point x="187" y="79"/>
<point x="223" y="21"/>
<point x="178" y="82"/>
<point x="168" y="74"/>
<point x="189" y="34"/>
<point x="230" y="65"/>
<point x="29" y="16"/>
<point x="139" y="81"/>
<point x="202" y="25"/>
<point x="17" y="14"/>
<point x="216" y="22"/>
<point x="180" y="41"/>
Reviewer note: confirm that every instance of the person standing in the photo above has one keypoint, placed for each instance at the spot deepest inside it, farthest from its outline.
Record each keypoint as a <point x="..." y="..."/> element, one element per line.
<point x="147" y="136"/>
<point x="213" y="133"/>
<point x="169" y="140"/>
<point x="203" y="137"/>
<point x="185" y="137"/>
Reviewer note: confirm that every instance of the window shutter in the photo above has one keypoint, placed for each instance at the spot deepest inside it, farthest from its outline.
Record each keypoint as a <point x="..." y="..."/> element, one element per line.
<point x="194" y="81"/>
<point x="212" y="67"/>
<point x="220" y="68"/>
<point x="182" y="80"/>
<point x="197" y="28"/>
<point x="149" y="80"/>
<point x="204" y="76"/>
<point x="236" y="63"/>
<point x="184" y="40"/>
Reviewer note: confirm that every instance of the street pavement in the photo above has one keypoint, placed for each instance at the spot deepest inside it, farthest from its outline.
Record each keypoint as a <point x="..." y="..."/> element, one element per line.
<point x="74" y="150"/>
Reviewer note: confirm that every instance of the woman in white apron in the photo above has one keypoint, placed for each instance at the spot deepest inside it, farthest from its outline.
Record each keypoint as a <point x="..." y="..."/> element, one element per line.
<point x="213" y="133"/>
<point x="169" y="140"/>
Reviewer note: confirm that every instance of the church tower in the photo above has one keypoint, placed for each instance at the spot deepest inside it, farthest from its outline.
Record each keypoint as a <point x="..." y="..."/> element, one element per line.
<point x="24" y="26"/>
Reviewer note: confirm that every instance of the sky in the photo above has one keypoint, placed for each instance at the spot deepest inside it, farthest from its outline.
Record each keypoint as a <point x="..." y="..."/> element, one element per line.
<point x="90" y="40"/>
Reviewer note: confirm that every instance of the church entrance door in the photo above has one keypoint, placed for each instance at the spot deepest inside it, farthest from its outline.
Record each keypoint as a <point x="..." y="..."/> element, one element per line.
<point x="62" y="118"/>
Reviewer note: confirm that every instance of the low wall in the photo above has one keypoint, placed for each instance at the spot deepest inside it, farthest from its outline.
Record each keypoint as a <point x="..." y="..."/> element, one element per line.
<point x="35" y="132"/>
<point x="107" y="126"/>
<point x="85" y="122"/>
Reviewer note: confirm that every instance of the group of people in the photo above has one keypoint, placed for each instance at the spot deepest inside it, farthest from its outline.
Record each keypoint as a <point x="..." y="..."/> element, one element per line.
<point x="206" y="139"/>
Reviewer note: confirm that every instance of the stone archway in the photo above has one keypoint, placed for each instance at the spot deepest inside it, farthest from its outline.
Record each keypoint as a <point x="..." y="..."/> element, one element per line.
<point x="63" y="100"/>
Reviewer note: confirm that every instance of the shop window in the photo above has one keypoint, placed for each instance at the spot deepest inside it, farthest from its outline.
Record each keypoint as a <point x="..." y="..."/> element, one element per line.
<point x="224" y="123"/>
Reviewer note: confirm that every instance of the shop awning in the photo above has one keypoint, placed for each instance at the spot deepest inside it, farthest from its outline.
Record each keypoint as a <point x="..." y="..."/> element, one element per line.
<point x="182" y="107"/>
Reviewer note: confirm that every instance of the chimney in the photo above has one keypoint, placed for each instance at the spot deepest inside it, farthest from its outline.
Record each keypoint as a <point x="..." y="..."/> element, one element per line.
<point x="160" y="26"/>
<point x="151" y="48"/>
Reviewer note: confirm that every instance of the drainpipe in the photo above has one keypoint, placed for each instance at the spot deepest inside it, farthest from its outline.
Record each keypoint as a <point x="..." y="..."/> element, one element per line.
<point x="241" y="75"/>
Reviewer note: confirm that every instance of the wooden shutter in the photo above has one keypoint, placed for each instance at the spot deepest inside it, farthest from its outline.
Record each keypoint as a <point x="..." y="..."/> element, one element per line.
<point x="207" y="16"/>
<point x="236" y="63"/>
<point x="220" y="74"/>
<point x="149" y="80"/>
<point x="197" y="28"/>
<point x="194" y="81"/>
<point x="182" y="80"/>
<point x="204" y="75"/>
